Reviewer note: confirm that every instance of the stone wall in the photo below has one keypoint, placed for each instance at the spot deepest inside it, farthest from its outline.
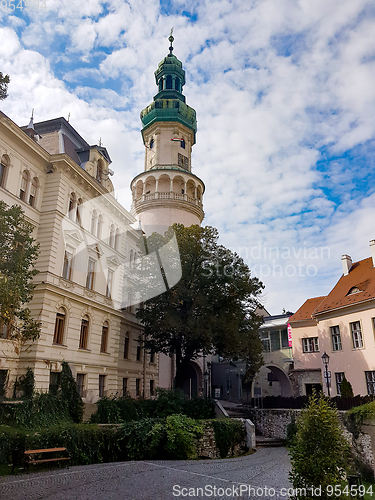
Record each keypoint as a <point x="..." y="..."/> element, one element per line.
<point x="272" y="423"/>
<point x="206" y="446"/>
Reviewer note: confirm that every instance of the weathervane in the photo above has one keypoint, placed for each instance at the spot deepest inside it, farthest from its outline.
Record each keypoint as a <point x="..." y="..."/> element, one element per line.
<point x="171" y="40"/>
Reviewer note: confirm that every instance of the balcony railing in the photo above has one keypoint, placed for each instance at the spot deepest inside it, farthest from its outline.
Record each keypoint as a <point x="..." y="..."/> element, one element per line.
<point x="167" y="196"/>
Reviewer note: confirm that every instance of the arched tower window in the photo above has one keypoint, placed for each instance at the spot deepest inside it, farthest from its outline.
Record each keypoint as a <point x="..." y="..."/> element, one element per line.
<point x="33" y="190"/>
<point x="160" y="84"/>
<point x="24" y="184"/>
<point x="152" y="142"/>
<point x="169" y="82"/>
<point x="177" y="84"/>
<point x="4" y="164"/>
<point x="183" y="143"/>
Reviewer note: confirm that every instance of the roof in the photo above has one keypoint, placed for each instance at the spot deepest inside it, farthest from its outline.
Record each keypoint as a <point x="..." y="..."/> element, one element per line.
<point x="306" y="310"/>
<point x="356" y="287"/>
<point x="275" y="321"/>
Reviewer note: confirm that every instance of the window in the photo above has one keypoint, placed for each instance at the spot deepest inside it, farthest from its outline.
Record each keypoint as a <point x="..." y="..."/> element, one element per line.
<point x="4" y="331"/>
<point x="24" y="183"/>
<point x="104" y="342"/>
<point x="126" y="346"/>
<point x="265" y="338"/>
<point x="152" y="388"/>
<point x="93" y="222"/>
<point x="356" y="335"/>
<point x="117" y="240"/>
<point x="81" y="384"/>
<point x="152" y="142"/>
<point x="152" y="356"/>
<point x="101" y="386"/>
<point x="139" y="351"/>
<point x="3" y="382"/>
<point x="71" y="212"/>
<point x="310" y="344"/>
<point x="99" y="171"/>
<point x="108" y="292"/>
<point x="370" y="381"/>
<point x="33" y="189"/>
<point x="67" y="267"/>
<point x="339" y="378"/>
<point x="182" y="143"/>
<point x="177" y="84"/>
<point x="169" y="82"/>
<point x="83" y="338"/>
<point x="90" y="274"/>
<point x="284" y="339"/>
<point x="112" y="236"/>
<point x="137" y="386"/>
<point x="4" y="164"/>
<point x="336" y="339"/>
<point x="79" y="212"/>
<point x="124" y="387"/>
<point x="275" y="340"/>
<point x="54" y="382"/>
<point x="58" y="337"/>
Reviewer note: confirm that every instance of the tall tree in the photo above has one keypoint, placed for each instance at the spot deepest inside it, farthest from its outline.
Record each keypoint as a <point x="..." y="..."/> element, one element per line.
<point x="210" y="310"/>
<point x="4" y="80"/>
<point x="18" y="253"/>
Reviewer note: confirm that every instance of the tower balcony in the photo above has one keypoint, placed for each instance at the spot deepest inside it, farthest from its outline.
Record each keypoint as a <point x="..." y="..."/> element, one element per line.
<point x="169" y="110"/>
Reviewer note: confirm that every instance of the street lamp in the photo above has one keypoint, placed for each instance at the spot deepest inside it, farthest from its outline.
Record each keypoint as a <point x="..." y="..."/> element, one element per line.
<point x="325" y="359"/>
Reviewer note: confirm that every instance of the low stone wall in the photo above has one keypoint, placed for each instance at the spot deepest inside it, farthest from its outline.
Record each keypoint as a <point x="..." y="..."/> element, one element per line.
<point x="206" y="447"/>
<point x="272" y="423"/>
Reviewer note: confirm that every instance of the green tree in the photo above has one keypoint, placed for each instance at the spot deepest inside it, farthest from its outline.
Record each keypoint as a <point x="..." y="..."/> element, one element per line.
<point x="68" y="393"/>
<point x="18" y="253"/>
<point x="4" y="80"/>
<point x="319" y="451"/>
<point x="346" y="388"/>
<point x="210" y="310"/>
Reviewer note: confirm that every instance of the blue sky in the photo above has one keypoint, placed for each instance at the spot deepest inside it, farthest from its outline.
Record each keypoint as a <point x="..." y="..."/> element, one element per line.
<point x="285" y="102"/>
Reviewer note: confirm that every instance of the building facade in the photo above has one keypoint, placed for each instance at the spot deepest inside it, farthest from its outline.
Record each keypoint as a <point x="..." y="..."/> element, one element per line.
<point x="87" y="249"/>
<point x="342" y="325"/>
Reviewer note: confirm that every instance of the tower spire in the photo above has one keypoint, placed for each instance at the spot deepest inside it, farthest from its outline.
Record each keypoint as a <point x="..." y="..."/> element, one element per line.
<point x="171" y="39"/>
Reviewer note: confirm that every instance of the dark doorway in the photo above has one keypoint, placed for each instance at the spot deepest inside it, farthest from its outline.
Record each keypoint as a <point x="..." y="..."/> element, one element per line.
<point x="190" y="386"/>
<point x="309" y="388"/>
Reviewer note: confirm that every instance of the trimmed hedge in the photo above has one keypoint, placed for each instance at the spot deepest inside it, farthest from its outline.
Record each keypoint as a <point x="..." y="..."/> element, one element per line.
<point x="173" y="437"/>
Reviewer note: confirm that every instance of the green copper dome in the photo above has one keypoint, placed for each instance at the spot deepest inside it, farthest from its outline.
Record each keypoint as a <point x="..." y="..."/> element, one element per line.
<point x="169" y="102"/>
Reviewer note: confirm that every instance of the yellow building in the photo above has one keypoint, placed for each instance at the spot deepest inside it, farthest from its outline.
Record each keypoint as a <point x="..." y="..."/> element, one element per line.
<point x="87" y="247"/>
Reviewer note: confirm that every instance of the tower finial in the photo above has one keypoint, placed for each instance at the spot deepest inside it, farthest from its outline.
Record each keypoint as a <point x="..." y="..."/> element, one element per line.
<point x="171" y="38"/>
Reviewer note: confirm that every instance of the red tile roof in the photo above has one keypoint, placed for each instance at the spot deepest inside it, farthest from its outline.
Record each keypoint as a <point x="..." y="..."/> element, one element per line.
<point x="306" y="310"/>
<point x="361" y="276"/>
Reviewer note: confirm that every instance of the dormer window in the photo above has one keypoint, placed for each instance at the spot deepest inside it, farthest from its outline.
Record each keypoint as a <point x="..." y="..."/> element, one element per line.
<point x="353" y="290"/>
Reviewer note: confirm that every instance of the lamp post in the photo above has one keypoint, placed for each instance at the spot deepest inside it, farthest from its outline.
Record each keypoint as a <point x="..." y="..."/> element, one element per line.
<point x="325" y="359"/>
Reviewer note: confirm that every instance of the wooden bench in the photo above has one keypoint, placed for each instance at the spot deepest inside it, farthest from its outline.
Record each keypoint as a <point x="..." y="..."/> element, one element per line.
<point x="31" y="456"/>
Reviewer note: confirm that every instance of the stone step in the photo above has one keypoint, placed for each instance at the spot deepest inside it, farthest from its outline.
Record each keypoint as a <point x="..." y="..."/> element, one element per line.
<point x="262" y="442"/>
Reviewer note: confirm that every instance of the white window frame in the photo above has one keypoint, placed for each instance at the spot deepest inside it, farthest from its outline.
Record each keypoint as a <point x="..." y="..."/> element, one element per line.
<point x="357" y="337"/>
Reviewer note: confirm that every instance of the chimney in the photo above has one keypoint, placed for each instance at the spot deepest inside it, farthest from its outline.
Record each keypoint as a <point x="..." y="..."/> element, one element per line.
<point x="346" y="264"/>
<point x="372" y="248"/>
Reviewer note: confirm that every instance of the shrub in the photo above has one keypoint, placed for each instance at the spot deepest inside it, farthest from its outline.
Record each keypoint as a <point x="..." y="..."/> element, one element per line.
<point x="69" y="394"/>
<point x="228" y="433"/>
<point x="346" y="388"/>
<point x="182" y="435"/>
<point x="319" y="451"/>
<point x="354" y="418"/>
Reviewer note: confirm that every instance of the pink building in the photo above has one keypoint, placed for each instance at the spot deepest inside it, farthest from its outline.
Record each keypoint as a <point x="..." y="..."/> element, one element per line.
<point x="342" y="325"/>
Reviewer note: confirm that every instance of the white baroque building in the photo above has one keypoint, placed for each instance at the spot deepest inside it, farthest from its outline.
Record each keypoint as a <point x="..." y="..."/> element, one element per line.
<point x="87" y="247"/>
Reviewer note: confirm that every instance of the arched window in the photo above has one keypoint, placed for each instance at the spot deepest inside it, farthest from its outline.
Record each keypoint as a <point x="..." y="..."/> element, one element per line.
<point x="117" y="240"/>
<point x="84" y="335"/>
<point x="104" y="341"/>
<point x="160" y="84"/>
<point x="169" y="81"/>
<point x="182" y="143"/>
<point x="99" y="171"/>
<point x="24" y="183"/>
<point x="93" y="222"/>
<point x="58" y="336"/>
<point x="152" y="142"/>
<point x="79" y="211"/>
<point x="112" y="236"/>
<point x="33" y="190"/>
<point x="100" y="224"/>
<point x="71" y="211"/>
<point x="4" y="164"/>
<point x="177" y="84"/>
